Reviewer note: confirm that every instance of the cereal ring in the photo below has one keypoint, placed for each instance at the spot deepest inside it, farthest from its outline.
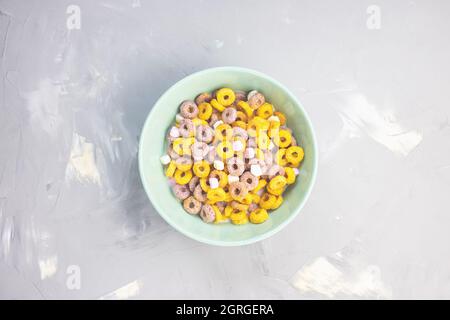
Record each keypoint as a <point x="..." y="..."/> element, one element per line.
<point x="265" y="110"/>
<point x="203" y="97"/>
<point x="204" y="183"/>
<point x="259" y="216"/>
<point x="283" y="139"/>
<point x="239" y="206"/>
<point x="205" y="134"/>
<point x="182" y="177"/>
<point x="192" y="205"/>
<point x="189" y="109"/>
<point x="205" y="111"/>
<point x="239" y="96"/>
<point x="240" y="116"/>
<point x="275" y="170"/>
<point x="274" y="128"/>
<point x="268" y="158"/>
<point x="225" y="150"/>
<point x="193" y="183"/>
<point x="186" y="128"/>
<point x="280" y="157"/>
<point x="184" y="163"/>
<point x="295" y="154"/>
<point x="229" y="115"/>
<point x="170" y="171"/>
<point x="239" y="218"/>
<point x="277" y="182"/>
<point x="239" y="124"/>
<point x="247" y="109"/>
<point x="263" y="141"/>
<point x="255" y="99"/>
<point x="207" y="213"/>
<point x="280" y="116"/>
<point x="221" y="176"/>
<point x="261" y="184"/>
<point x="201" y="169"/>
<point x="223" y="132"/>
<point x="216" y="195"/>
<point x="278" y="202"/>
<point x="199" y="150"/>
<point x="267" y="201"/>
<point x="238" y="190"/>
<point x="181" y="191"/>
<point x="255" y="198"/>
<point x="172" y="154"/>
<point x="275" y="192"/>
<point x="214" y="118"/>
<point x="199" y="193"/>
<point x="250" y="180"/>
<point x="239" y="132"/>
<point x="216" y="105"/>
<point x="289" y="174"/>
<point x="235" y="166"/>
<point x="225" y="96"/>
<point x="251" y="143"/>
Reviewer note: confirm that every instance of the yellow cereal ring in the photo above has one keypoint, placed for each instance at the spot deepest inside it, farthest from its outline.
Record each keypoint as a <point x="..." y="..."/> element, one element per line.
<point x="225" y="150"/>
<point x="239" y="206"/>
<point x="178" y="146"/>
<point x="225" y="96"/>
<point x="239" y="217"/>
<point x="275" y="192"/>
<point x="201" y="169"/>
<point x="220" y="217"/>
<point x="284" y="138"/>
<point x="289" y="174"/>
<point x="277" y="182"/>
<point x="182" y="177"/>
<point x="267" y="201"/>
<point x="280" y="157"/>
<point x="197" y="122"/>
<point x="265" y="111"/>
<point x="261" y="184"/>
<point x="259" y="216"/>
<point x="246" y="107"/>
<point x="171" y="169"/>
<point x="228" y="197"/>
<point x="204" y="184"/>
<point x="247" y="199"/>
<point x="263" y="141"/>
<point x="277" y="203"/>
<point x="280" y="116"/>
<point x="217" y="194"/>
<point x="205" y="111"/>
<point x="274" y="128"/>
<point x="255" y="198"/>
<point x="223" y="132"/>
<point x="241" y="116"/>
<point x="228" y="211"/>
<point x="259" y="154"/>
<point x="183" y="166"/>
<point x="221" y="176"/>
<point x="295" y="154"/>
<point x="216" y="105"/>
<point x="263" y="123"/>
<point x="240" y="124"/>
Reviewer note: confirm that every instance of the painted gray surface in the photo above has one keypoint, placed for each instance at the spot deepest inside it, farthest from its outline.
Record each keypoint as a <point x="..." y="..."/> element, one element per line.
<point x="73" y="104"/>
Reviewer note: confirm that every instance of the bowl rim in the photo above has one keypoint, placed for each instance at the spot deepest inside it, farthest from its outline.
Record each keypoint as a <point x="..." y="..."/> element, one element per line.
<point x="297" y="208"/>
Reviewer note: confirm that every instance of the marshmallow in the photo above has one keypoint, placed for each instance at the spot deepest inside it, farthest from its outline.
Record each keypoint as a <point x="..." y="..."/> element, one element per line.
<point x="219" y="165"/>
<point x="250" y="153"/>
<point x="178" y="117"/>
<point x="165" y="159"/>
<point x="237" y="145"/>
<point x="274" y="118"/>
<point x="256" y="170"/>
<point x="174" y="132"/>
<point x="296" y="171"/>
<point x="232" y="179"/>
<point x="213" y="183"/>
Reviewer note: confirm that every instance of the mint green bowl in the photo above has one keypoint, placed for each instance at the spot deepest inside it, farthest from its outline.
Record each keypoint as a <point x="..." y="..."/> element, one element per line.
<point x="153" y="144"/>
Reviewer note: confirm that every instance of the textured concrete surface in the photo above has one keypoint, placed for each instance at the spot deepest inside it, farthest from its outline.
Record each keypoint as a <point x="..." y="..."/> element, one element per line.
<point x="75" y="222"/>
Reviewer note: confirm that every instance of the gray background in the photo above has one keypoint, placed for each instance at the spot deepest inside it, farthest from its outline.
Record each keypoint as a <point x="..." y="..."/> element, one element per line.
<point x="73" y="103"/>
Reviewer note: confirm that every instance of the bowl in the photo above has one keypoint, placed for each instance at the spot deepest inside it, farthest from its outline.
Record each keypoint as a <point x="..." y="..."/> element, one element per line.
<point x="153" y="144"/>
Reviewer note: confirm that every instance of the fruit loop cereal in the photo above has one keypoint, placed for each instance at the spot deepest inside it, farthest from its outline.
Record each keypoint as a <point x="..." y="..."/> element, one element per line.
<point x="231" y="156"/>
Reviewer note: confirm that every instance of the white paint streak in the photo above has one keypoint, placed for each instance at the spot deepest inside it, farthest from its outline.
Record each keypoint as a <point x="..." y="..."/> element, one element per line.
<point x="82" y="162"/>
<point x="48" y="267"/>
<point x="324" y="278"/>
<point x="128" y="291"/>
<point x="359" y="114"/>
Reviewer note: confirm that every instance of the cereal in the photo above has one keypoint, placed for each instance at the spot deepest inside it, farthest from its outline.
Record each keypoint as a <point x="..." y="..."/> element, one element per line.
<point x="189" y="109"/>
<point x="192" y="205"/>
<point x="181" y="191"/>
<point x="230" y="157"/>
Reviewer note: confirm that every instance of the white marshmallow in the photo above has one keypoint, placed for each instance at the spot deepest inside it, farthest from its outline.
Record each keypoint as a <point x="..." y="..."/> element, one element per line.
<point x="178" y="117"/>
<point x="232" y="179"/>
<point x="250" y="153"/>
<point x="213" y="183"/>
<point x="251" y="94"/>
<point x="274" y="118"/>
<point x="217" y="123"/>
<point x="219" y="165"/>
<point x="165" y="159"/>
<point x="237" y="145"/>
<point x="256" y="170"/>
<point x="174" y="132"/>
<point x="296" y="171"/>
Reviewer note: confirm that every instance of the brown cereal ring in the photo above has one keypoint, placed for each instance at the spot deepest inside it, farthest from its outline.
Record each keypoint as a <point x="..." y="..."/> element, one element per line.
<point x="199" y="194"/>
<point x="193" y="183"/>
<point x="186" y="128"/>
<point x="229" y="115"/>
<point x="251" y="143"/>
<point x="203" y="97"/>
<point x="188" y="109"/>
<point x="250" y="180"/>
<point x="207" y="213"/>
<point x="275" y="170"/>
<point x="181" y="191"/>
<point x="205" y="133"/>
<point x="238" y="189"/>
<point x="239" y="132"/>
<point x="192" y="205"/>
<point x="199" y="150"/>
<point x="236" y="166"/>
<point x="256" y="100"/>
